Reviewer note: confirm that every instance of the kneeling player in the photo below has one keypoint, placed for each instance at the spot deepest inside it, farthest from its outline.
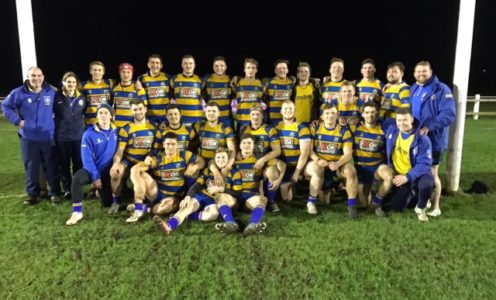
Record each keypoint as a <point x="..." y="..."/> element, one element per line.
<point x="369" y="143"/>
<point x="200" y="203"/>
<point x="169" y="171"/>
<point x="331" y="152"/>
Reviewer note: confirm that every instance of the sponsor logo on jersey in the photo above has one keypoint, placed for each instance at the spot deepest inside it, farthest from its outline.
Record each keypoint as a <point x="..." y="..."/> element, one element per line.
<point x="219" y="93"/>
<point x="143" y="142"/>
<point x="281" y="95"/>
<point x="171" y="175"/>
<point x="326" y="148"/>
<point x="248" y="96"/>
<point x="247" y="175"/>
<point x="156" y="92"/>
<point x="369" y="145"/>
<point x="122" y="103"/>
<point x="287" y="143"/>
<point x="187" y="92"/>
<point x="209" y="143"/>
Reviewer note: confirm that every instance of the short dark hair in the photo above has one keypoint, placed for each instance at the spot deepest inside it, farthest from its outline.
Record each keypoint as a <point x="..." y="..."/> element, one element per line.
<point x="219" y="58"/>
<point x="170" y="135"/>
<point x="398" y="64"/>
<point x="404" y="111"/>
<point x="246" y="136"/>
<point x="337" y="59"/>
<point x="303" y="64"/>
<point x="424" y="63"/>
<point x="155" y="56"/>
<point x="173" y="106"/>
<point x="328" y="105"/>
<point x="213" y="104"/>
<point x="251" y="61"/>
<point x="368" y="61"/>
<point x="137" y="101"/>
<point x="281" y="61"/>
<point x="371" y="103"/>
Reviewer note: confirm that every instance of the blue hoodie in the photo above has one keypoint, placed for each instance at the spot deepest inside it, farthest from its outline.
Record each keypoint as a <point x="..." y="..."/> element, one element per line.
<point x="437" y="110"/>
<point x="420" y="153"/>
<point x="36" y="109"/>
<point x="97" y="150"/>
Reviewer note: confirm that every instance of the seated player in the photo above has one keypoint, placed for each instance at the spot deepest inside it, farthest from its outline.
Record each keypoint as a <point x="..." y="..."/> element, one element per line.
<point x="369" y="144"/>
<point x="165" y="186"/>
<point x="200" y="202"/>
<point x="251" y="196"/>
<point x="267" y="148"/>
<point x="410" y="155"/>
<point x="331" y="155"/>
<point x="185" y="134"/>
<point x="135" y="142"/>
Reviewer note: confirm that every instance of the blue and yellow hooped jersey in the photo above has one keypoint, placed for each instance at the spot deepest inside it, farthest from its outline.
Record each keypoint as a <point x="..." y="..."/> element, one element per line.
<point x="250" y="177"/>
<point x="370" y="90"/>
<point x="232" y="181"/>
<point x="95" y="94"/>
<point x="185" y="134"/>
<point x="278" y="91"/>
<point x="266" y="138"/>
<point x="137" y="141"/>
<point x="211" y="138"/>
<point x="349" y="114"/>
<point x="369" y="145"/>
<point x="330" y="90"/>
<point x="169" y="172"/>
<point x="395" y="96"/>
<point x="328" y="143"/>
<point x="187" y="93"/>
<point x="123" y="96"/>
<point x="157" y="92"/>
<point x="249" y="93"/>
<point x="218" y="90"/>
<point x="290" y="137"/>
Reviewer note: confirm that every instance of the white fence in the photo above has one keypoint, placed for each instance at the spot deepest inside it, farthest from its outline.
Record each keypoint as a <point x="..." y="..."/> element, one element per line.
<point x="477" y="99"/>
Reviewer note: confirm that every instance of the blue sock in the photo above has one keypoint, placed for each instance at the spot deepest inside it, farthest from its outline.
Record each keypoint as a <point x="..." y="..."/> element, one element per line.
<point x="195" y="216"/>
<point x="271" y="194"/>
<point x="173" y="223"/>
<point x="145" y="208"/>
<point x="116" y="199"/>
<point x="77" y="207"/>
<point x="311" y="199"/>
<point x="352" y="202"/>
<point x="377" y="200"/>
<point x="226" y="213"/>
<point x="257" y="214"/>
<point x="138" y="207"/>
<point x="190" y="181"/>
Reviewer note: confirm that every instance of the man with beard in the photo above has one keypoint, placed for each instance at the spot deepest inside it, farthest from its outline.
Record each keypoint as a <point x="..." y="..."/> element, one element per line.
<point x="396" y="94"/>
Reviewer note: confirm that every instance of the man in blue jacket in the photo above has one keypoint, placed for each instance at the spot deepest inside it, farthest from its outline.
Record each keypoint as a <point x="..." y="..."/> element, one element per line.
<point x="30" y="108"/>
<point x="97" y="151"/>
<point x="433" y="106"/>
<point x="409" y="154"/>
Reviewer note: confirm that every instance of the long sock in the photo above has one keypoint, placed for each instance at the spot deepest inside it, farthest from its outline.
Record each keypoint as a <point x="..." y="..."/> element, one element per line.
<point x="77" y="207"/>
<point x="257" y="214"/>
<point x="226" y="213"/>
<point x="377" y="200"/>
<point x="352" y="202"/>
<point x="311" y="199"/>
<point x="173" y="223"/>
<point x="116" y="199"/>
<point x="271" y="194"/>
<point x="195" y="216"/>
<point x="138" y="207"/>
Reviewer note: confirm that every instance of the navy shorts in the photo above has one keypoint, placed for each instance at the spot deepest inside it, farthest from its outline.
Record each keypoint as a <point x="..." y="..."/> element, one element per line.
<point x="365" y="174"/>
<point x="204" y="200"/>
<point x="437" y="157"/>
<point x="288" y="173"/>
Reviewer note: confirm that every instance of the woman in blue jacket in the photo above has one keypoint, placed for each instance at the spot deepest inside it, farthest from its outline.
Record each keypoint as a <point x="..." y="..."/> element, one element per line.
<point x="68" y="109"/>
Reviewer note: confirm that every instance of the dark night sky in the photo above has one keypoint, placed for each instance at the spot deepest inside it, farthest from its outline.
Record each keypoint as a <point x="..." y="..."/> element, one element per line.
<point x="70" y="34"/>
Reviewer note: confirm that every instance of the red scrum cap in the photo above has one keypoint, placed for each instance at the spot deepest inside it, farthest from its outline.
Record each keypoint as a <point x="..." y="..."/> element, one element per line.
<point x="126" y="66"/>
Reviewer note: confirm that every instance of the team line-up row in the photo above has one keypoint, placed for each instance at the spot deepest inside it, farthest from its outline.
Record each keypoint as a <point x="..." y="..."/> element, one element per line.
<point x="404" y="157"/>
